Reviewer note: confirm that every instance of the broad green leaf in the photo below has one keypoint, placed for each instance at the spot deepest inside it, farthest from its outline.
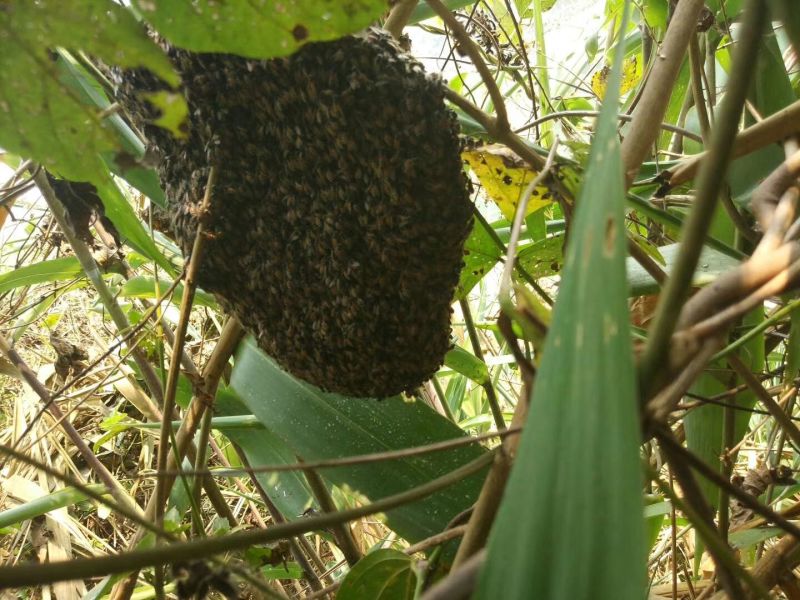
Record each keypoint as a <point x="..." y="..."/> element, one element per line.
<point x="385" y="574"/>
<point x="316" y="425"/>
<point x="467" y="364"/>
<point x="543" y="258"/>
<point x="771" y="89"/>
<point x="788" y="11"/>
<point x="57" y="269"/>
<point x="173" y="112"/>
<point x="655" y="511"/>
<point x="289" y="489"/>
<point x="703" y="427"/>
<point x="257" y="29"/>
<point x="750" y="537"/>
<point x="291" y="571"/>
<point x="41" y="117"/>
<point x="143" y="286"/>
<point x="676" y="99"/>
<point x="711" y="265"/>
<point x="793" y="349"/>
<point x="655" y="15"/>
<point x="752" y="354"/>
<point x="570" y="524"/>
<point x="481" y="253"/>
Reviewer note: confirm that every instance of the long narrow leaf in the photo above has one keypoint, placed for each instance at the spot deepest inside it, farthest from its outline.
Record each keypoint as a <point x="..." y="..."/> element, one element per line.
<point x="571" y="525"/>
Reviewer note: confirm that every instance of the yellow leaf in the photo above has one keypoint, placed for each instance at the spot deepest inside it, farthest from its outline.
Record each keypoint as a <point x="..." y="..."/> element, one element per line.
<point x="631" y="74"/>
<point x="505" y="176"/>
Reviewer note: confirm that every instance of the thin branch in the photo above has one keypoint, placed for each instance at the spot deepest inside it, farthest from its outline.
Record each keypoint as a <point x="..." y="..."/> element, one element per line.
<point x="460" y="583"/>
<point x="345" y="461"/>
<point x="472" y="50"/>
<point x="658" y="89"/>
<point x="93" y="273"/>
<point x="341" y="531"/>
<point x="596" y="113"/>
<point x="776" y="127"/>
<point x="696" y="64"/>
<point x="232" y="333"/>
<point x="519" y="216"/>
<point x="786" y="423"/>
<point x="113" y="486"/>
<point x="709" y="186"/>
<point x="729" y="570"/>
<point x="714" y="477"/>
<point x="398" y="17"/>
<point x="187" y="299"/>
<point x="485" y="509"/>
<point x="83" y="568"/>
<point x="767" y="195"/>
<point x="278" y="518"/>
<point x="491" y="396"/>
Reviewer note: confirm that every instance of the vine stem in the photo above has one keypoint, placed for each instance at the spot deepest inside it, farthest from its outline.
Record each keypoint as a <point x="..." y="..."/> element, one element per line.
<point x="36" y="574"/>
<point x="491" y="395"/>
<point x="358" y="459"/>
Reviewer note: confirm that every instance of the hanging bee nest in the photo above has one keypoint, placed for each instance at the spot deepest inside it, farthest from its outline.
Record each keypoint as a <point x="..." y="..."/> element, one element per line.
<point x="340" y="209"/>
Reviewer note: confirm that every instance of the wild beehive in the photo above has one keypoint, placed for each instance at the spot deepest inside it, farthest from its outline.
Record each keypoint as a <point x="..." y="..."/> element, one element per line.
<point x="340" y="209"/>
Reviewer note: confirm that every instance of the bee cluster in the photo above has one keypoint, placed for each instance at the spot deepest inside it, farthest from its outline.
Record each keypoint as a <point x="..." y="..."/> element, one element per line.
<point x="340" y="209"/>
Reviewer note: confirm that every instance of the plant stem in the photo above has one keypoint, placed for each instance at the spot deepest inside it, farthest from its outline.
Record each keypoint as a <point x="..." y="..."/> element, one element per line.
<point x="93" y="273"/>
<point x="491" y="396"/>
<point x="43" y="574"/>
<point x="709" y="186"/>
<point x="398" y="17"/>
<point x="658" y="88"/>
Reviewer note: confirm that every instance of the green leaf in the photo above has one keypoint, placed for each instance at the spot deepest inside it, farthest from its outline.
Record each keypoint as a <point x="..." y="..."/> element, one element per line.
<point x="257" y="29"/>
<point x="385" y="574"/>
<point x="711" y="265"/>
<point x="290" y="571"/>
<point x="703" y="427"/>
<point x="289" y="490"/>
<point x="58" y="269"/>
<point x="467" y="364"/>
<point x="41" y="117"/>
<point x="751" y="537"/>
<point x="143" y="286"/>
<point x="570" y="524"/>
<point x="655" y="15"/>
<point x="317" y="425"/>
<point x="45" y="504"/>
<point x="481" y="253"/>
<point x="423" y="11"/>
<point x="788" y="11"/>
<point x="771" y="89"/>
<point x="543" y="258"/>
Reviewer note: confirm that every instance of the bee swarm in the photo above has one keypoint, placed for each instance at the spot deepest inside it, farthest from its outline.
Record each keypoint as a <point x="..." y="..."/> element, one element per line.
<point x="340" y="209"/>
